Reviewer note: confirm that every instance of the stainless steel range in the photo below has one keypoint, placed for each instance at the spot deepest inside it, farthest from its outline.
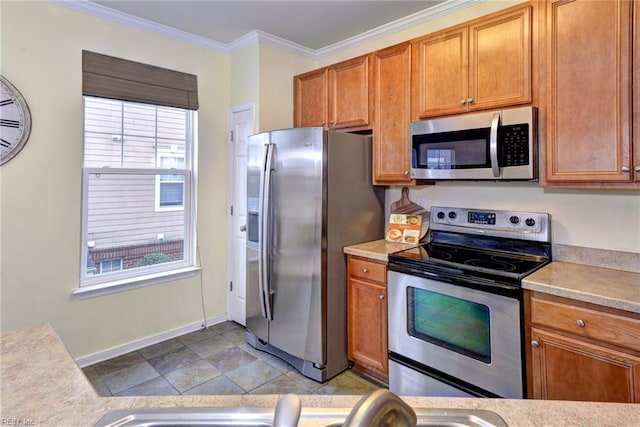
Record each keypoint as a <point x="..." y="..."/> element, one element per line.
<point x="455" y="303"/>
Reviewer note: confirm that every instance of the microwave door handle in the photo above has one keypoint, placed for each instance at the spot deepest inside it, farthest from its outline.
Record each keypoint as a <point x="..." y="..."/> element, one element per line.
<point x="266" y="243"/>
<point x="493" y="144"/>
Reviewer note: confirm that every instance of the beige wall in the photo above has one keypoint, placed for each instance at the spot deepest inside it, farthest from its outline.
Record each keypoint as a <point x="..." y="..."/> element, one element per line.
<point x="41" y="187"/>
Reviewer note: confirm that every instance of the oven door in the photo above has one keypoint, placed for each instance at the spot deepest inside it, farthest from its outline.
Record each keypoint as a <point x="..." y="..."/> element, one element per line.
<point x="459" y="334"/>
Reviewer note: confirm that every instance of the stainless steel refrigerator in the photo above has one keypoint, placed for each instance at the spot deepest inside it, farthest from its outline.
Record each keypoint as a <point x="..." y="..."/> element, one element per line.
<point x="309" y="194"/>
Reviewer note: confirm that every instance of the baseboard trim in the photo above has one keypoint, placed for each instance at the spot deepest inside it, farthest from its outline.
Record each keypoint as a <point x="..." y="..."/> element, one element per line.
<point x="110" y="353"/>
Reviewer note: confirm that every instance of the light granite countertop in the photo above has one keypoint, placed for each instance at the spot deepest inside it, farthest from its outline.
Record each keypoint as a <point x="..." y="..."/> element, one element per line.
<point x="377" y="249"/>
<point x="42" y="385"/>
<point x="597" y="285"/>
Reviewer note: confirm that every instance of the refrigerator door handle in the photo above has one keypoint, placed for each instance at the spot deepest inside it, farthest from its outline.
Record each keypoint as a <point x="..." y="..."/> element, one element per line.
<point x="264" y="260"/>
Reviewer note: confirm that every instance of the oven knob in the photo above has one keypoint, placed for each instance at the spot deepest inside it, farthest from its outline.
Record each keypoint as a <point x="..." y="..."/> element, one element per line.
<point x="440" y="215"/>
<point x="530" y="222"/>
<point x="514" y="220"/>
<point x="452" y="215"/>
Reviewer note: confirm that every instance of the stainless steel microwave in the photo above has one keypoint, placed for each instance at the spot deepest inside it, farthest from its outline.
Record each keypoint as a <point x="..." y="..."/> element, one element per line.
<point x="495" y="145"/>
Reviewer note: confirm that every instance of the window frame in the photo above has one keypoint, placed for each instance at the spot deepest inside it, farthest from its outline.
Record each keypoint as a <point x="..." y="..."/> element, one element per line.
<point x="102" y="284"/>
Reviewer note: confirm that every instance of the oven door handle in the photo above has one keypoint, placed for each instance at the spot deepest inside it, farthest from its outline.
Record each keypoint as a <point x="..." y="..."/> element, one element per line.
<point x="493" y="144"/>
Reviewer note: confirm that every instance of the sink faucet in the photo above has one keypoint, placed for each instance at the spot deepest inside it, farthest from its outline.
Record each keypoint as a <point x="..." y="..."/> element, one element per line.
<point x="287" y="411"/>
<point x="381" y="408"/>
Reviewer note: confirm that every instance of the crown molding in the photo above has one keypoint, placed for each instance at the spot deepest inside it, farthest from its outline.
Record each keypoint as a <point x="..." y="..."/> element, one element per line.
<point x="257" y="36"/>
<point x="100" y="11"/>
<point x="396" y="26"/>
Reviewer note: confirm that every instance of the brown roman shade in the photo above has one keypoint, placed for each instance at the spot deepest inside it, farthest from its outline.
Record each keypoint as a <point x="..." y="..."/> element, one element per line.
<point x="109" y="77"/>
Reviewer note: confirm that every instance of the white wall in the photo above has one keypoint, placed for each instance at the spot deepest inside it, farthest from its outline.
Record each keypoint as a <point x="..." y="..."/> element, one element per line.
<point x="41" y="187"/>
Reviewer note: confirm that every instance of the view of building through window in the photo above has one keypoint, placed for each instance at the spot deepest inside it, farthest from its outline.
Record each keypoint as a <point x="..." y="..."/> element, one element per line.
<point x="137" y="180"/>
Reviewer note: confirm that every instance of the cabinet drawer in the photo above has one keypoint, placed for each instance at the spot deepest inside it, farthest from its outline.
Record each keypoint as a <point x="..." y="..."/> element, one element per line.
<point x="368" y="270"/>
<point x="607" y="327"/>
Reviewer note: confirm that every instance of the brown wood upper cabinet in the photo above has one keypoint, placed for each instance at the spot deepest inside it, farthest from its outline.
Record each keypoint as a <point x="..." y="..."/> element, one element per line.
<point x="484" y="64"/>
<point x="336" y="97"/>
<point x="392" y="94"/>
<point x="588" y="53"/>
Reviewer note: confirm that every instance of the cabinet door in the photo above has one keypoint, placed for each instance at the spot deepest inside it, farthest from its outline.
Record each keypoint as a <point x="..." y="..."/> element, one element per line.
<point x="570" y="369"/>
<point x="500" y="61"/>
<point x="368" y="324"/>
<point x="439" y="74"/>
<point x="350" y="103"/>
<point x="636" y="93"/>
<point x="392" y="95"/>
<point x="588" y="91"/>
<point x="310" y="98"/>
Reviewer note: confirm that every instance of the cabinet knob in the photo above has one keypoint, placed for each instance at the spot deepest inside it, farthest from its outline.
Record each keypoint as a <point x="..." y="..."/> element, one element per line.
<point x="469" y="100"/>
<point x="365" y="270"/>
<point x="580" y="323"/>
<point x="406" y="173"/>
<point x="535" y="344"/>
<point x="637" y="168"/>
<point x="463" y="101"/>
<point x="381" y="296"/>
<point x="625" y="169"/>
<point x="243" y="228"/>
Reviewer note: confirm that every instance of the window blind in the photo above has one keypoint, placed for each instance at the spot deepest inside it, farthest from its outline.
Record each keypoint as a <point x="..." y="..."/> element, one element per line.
<point x="110" y="77"/>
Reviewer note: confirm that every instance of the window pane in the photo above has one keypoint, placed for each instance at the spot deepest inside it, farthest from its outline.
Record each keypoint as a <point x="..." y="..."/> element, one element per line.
<point x="131" y="135"/>
<point x="123" y="223"/>
<point x="171" y="193"/>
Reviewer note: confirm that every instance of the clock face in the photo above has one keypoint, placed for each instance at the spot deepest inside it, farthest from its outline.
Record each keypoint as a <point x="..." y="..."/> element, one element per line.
<point x="15" y="121"/>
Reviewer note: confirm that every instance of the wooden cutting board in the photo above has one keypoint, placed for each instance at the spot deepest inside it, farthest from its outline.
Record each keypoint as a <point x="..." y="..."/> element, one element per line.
<point x="407" y="207"/>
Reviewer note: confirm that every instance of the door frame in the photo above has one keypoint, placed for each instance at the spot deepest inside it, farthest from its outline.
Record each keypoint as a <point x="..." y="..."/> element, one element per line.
<point x="248" y="106"/>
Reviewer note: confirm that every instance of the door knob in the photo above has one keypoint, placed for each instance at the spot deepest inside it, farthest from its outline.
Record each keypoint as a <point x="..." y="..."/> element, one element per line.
<point x="243" y="228"/>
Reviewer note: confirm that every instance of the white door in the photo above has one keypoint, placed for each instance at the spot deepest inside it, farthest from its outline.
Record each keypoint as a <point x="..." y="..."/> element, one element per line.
<point x="241" y="128"/>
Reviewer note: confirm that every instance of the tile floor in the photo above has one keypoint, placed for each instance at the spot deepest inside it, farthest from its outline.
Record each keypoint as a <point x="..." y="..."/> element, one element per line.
<point x="213" y="361"/>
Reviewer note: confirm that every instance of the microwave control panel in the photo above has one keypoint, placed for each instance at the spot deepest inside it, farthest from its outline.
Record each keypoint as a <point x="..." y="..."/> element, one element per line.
<point x="514" y="145"/>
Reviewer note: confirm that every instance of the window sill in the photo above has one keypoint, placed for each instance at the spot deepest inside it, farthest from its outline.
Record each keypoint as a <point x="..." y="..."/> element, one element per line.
<point x="85" y="292"/>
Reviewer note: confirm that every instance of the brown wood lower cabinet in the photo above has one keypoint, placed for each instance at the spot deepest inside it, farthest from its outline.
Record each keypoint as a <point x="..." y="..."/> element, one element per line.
<point x="580" y="351"/>
<point x="367" y="317"/>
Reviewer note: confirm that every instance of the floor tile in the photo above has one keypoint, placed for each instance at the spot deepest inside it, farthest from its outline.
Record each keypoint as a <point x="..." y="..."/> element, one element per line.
<point x="346" y="383"/>
<point x="226" y="327"/>
<point x="161" y="348"/>
<point x="308" y="383"/>
<point x="175" y="360"/>
<point x="192" y="375"/>
<point x="253" y="375"/>
<point x="276" y="363"/>
<point x="230" y="359"/>
<point x="220" y="385"/>
<point x="155" y="387"/>
<point x="119" y="362"/>
<point x="281" y="385"/>
<point x="209" y="347"/>
<point x="196" y="336"/>
<point x="236" y="336"/>
<point x="130" y="376"/>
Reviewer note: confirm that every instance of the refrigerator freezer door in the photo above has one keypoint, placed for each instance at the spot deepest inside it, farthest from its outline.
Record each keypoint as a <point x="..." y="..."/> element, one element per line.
<point x="256" y="321"/>
<point x="296" y="246"/>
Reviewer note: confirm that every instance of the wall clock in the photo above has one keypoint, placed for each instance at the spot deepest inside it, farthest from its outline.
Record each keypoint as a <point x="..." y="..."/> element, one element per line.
<point x="15" y="121"/>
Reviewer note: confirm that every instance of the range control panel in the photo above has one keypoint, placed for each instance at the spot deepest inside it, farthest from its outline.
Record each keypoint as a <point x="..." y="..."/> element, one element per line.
<point x="517" y="224"/>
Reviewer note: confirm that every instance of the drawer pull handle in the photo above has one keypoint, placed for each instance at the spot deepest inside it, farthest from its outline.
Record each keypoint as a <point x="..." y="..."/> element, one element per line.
<point x="580" y="323"/>
<point x="535" y="344"/>
<point x="365" y="270"/>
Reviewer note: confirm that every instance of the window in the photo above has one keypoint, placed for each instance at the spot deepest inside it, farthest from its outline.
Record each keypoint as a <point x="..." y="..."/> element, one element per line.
<point x="110" y="265"/>
<point x="138" y="187"/>
<point x="138" y="190"/>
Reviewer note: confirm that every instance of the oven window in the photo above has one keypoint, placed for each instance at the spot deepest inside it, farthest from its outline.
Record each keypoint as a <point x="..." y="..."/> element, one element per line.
<point x="455" y="324"/>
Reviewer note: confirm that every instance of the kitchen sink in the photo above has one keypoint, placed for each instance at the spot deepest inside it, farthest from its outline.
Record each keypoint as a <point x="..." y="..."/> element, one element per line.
<point x="263" y="417"/>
